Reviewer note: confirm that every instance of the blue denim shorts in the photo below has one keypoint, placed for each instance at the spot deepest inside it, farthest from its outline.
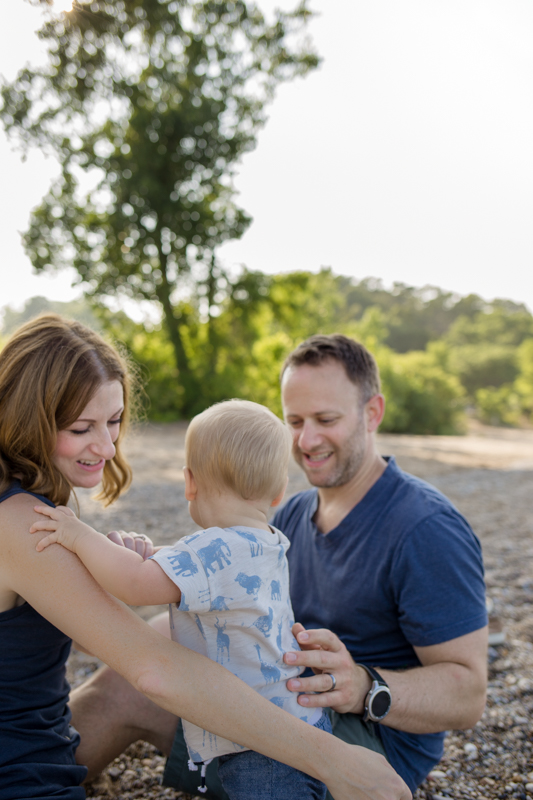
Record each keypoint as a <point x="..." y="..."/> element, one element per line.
<point x="178" y="776"/>
<point x="250" y="774"/>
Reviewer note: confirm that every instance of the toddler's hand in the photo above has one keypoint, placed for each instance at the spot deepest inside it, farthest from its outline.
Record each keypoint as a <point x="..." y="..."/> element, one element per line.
<point x="59" y="521"/>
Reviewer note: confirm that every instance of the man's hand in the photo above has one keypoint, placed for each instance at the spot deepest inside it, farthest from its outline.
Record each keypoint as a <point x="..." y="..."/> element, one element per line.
<point x="324" y="652"/>
<point x="446" y="691"/>
<point x="137" y="542"/>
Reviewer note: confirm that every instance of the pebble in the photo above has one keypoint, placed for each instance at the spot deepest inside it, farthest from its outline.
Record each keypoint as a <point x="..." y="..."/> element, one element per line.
<point x="471" y="751"/>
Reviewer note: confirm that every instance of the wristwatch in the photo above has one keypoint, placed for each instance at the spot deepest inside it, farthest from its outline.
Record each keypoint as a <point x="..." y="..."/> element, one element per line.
<point x="378" y="701"/>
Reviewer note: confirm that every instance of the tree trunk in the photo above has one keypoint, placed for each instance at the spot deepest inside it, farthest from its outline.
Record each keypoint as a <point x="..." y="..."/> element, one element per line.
<point x="185" y="375"/>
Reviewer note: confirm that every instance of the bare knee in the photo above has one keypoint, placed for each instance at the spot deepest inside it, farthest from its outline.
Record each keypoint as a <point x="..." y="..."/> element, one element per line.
<point x="105" y="692"/>
<point x="107" y="703"/>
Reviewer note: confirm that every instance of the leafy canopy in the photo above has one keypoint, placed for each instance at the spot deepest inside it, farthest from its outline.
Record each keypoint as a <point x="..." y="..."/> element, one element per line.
<point x="148" y="105"/>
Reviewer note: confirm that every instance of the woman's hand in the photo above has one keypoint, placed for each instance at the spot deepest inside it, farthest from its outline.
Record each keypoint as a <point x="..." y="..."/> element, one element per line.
<point x="137" y="542"/>
<point x="364" y="775"/>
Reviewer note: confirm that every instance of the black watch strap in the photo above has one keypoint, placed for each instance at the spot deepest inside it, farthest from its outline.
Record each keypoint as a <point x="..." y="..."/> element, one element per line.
<point x="378" y="700"/>
<point x="374" y="674"/>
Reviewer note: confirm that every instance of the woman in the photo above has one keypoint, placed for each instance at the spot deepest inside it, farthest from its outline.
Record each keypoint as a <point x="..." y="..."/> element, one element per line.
<point x="64" y="404"/>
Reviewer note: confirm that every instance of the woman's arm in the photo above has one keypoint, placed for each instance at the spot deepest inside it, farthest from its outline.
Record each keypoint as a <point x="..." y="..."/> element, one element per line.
<point x="119" y="570"/>
<point x="57" y="585"/>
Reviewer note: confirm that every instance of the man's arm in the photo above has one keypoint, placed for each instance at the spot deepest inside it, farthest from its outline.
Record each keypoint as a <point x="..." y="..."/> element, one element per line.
<point x="447" y="691"/>
<point x="119" y="570"/>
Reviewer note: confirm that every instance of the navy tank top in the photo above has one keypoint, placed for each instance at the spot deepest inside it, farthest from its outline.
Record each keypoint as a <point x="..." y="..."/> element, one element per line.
<point x="37" y="743"/>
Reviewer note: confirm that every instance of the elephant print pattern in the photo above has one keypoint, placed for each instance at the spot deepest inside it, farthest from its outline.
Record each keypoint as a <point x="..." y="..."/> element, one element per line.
<point x="238" y="613"/>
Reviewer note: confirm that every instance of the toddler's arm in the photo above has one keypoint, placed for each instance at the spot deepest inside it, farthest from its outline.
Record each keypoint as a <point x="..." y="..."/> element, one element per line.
<point x="120" y="571"/>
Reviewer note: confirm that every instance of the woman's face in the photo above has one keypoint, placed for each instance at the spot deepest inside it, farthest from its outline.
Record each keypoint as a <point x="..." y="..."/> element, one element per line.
<point x="84" y="447"/>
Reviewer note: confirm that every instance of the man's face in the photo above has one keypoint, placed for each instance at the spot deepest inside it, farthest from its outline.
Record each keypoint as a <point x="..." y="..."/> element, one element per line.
<point x="324" y="411"/>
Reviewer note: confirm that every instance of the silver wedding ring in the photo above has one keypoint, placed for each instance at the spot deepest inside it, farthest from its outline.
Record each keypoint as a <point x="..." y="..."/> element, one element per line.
<point x="140" y="536"/>
<point x="333" y="682"/>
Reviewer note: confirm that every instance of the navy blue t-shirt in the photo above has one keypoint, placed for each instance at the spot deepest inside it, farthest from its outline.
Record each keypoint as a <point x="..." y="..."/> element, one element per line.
<point x="403" y="569"/>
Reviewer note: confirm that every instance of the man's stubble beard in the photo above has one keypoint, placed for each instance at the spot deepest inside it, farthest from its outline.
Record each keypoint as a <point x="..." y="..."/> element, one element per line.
<point x="350" y="458"/>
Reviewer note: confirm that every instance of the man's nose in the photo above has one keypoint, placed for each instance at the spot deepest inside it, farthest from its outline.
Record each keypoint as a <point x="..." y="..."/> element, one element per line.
<point x="308" y="437"/>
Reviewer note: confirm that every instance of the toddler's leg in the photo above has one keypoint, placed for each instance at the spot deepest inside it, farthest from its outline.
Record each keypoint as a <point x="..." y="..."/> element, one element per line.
<point x="250" y="774"/>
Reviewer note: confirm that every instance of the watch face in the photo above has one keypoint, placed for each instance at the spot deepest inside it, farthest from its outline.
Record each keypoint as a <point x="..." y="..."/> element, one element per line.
<point x="381" y="702"/>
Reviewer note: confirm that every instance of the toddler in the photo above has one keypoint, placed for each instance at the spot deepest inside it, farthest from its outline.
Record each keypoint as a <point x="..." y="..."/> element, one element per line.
<point x="227" y="585"/>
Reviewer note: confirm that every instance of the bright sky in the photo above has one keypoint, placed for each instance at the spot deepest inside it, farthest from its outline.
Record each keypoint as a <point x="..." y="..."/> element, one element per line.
<point x="407" y="156"/>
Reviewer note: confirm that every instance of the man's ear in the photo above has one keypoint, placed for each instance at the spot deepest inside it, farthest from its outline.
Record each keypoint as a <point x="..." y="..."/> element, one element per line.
<point x="374" y="411"/>
<point x="277" y="500"/>
<point x="191" y="487"/>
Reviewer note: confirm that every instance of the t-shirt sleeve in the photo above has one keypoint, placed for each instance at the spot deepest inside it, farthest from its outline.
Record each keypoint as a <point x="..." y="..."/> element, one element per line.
<point x="438" y="581"/>
<point x="185" y="569"/>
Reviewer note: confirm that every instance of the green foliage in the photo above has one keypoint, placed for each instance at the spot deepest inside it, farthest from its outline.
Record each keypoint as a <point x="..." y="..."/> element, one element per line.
<point x="238" y="350"/>
<point x="511" y="403"/>
<point x="262" y="375"/>
<point x="499" y="325"/>
<point x="483" y="364"/>
<point x="152" y="352"/>
<point x="499" y="406"/>
<point x="153" y="103"/>
<point x="371" y="329"/>
<point x="523" y="384"/>
<point x="414" y="316"/>
<point x="421" y="397"/>
<point x="306" y="302"/>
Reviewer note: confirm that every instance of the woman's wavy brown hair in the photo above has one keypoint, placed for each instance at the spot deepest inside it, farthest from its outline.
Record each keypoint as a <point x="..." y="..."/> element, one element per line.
<point x="49" y="370"/>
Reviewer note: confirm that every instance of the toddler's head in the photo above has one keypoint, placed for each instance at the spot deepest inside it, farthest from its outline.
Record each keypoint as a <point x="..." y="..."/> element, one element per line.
<point x="241" y="447"/>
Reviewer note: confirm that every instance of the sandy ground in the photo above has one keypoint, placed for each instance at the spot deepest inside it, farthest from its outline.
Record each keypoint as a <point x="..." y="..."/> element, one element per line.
<point x="488" y="474"/>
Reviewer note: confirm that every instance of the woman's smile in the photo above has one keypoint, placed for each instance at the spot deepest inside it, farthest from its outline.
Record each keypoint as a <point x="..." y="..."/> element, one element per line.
<point x="84" y="447"/>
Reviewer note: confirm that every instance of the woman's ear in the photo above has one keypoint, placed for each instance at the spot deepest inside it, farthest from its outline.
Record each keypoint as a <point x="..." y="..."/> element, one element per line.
<point x="277" y="500"/>
<point x="191" y="487"/>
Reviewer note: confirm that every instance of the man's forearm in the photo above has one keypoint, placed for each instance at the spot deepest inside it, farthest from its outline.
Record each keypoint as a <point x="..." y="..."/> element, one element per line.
<point x="446" y="691"/>
<point x="434" y="698"/>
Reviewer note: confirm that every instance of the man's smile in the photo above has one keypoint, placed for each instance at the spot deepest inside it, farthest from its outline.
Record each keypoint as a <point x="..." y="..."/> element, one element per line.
<point x="316" y="459"/>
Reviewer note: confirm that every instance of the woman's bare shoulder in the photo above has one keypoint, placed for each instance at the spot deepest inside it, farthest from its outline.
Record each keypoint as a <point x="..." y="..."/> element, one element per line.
<point x="57" y="585"/>
<point x="16" y="515"/>
<point x="17" y="545"/>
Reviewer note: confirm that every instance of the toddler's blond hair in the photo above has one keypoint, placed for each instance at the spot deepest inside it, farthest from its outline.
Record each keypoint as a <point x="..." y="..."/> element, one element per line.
<point x="240" y="446"/>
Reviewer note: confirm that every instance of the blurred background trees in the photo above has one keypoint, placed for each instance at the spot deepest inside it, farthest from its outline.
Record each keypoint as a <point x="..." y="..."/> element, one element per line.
<point x="148" y="105"/>
<point x="478" y="361"/>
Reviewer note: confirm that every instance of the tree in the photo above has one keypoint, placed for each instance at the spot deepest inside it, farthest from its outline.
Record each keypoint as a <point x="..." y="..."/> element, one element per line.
<point x="148" y="106"/>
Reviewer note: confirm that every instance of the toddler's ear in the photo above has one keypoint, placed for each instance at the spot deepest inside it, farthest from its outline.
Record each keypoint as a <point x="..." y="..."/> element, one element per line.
<point x="191" y="487"/>
<point x="277" y="500"/>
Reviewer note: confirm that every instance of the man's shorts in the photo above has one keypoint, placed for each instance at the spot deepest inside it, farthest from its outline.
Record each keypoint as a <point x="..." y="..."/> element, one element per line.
<point x="348" y="727"/>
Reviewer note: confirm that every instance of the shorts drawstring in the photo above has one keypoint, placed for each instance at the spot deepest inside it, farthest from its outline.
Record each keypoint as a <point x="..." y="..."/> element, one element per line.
<point x="194" y="766"/>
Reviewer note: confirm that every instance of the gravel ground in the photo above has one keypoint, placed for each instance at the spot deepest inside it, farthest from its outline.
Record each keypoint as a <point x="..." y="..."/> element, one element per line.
<point x="488" y="475"/>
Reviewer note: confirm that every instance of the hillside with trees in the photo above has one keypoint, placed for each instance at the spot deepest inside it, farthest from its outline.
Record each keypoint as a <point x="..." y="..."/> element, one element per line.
<point x="441" y="355"/>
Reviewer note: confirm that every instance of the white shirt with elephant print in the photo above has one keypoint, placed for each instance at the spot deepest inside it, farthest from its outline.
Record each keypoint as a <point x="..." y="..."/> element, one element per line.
<point x="236" y="610"/>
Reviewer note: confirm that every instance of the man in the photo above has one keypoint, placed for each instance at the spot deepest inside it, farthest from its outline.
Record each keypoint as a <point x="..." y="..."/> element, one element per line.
<point x="385" y="573"/>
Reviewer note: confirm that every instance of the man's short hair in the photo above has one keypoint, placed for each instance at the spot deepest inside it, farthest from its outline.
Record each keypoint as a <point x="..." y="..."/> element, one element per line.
<point x="359" y="364"/>
<point x="240" y="446"/>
